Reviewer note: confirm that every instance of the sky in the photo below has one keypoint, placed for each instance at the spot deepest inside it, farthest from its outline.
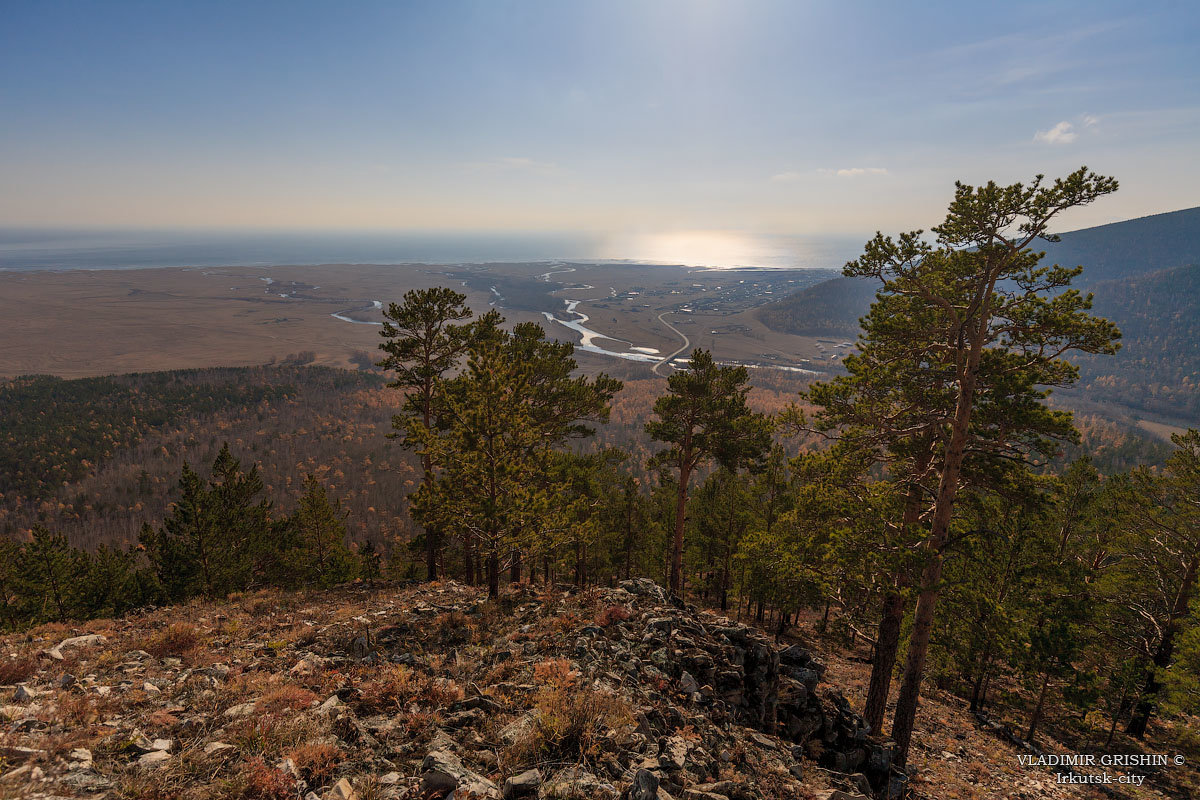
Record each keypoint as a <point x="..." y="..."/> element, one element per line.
<point x="605" y="116"/>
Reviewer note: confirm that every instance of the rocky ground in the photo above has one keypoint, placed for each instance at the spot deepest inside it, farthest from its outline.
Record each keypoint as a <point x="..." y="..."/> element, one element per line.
<point x="436" y="692"/>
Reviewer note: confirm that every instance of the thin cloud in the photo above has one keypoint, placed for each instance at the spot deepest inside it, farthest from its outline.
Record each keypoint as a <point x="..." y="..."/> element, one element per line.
<point x="1062" y="133"/>
<point x="787" y="177"/>
<point x="1090" y="120"/>
<point x="854" y="172"/>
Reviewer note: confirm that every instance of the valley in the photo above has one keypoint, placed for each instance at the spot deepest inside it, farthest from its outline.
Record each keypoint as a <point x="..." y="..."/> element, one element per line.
<point x="95" y="322"/>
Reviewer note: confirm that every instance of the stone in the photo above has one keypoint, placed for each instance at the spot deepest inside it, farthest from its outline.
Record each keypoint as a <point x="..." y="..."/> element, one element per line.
<point x="304" y="668"/>
<point x="23" y="694"/>
<point x="838" y="794"/>
<point x="241" y="710"/>
<point x="150" y="689"/>
<point x="519" y="728"/>
<point x="213" y="748"/>
<point x="86" y="780"/>
<point x="342" y="790"/>
<point x="524" y="785"/>
<point x="87" y="640"/>
<point x="645" y="786"/>
<point x="861" y="783"/>
<point x="578" y="782"/>
<point x="155" y="758"/>
<point x="687" y="683"/>
<point x="443" y="772"/>
<point x="673" y="755"/>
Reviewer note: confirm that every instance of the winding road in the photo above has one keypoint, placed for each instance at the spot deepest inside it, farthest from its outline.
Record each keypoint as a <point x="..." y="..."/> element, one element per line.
<point x="686" y="343"/>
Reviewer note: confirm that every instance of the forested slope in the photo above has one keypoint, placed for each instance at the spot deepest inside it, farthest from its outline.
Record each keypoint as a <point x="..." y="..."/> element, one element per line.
<point x="1145" y="274"/>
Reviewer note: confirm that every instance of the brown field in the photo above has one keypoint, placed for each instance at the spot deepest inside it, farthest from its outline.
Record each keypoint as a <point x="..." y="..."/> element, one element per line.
<point x="79" y="323"/>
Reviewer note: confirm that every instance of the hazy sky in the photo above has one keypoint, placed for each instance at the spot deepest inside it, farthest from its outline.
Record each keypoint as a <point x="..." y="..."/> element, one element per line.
<point x="767" y="116"/>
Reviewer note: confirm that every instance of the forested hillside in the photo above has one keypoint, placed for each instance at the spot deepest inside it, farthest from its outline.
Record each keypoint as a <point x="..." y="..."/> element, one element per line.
<point x="1158" y="368"/>
<point x="1144" y="276"/>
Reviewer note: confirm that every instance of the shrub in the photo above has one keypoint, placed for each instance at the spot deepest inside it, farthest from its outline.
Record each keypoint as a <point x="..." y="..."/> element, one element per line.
<point x="612" y="615"/>
<point x="177" y="640"/>
<point x="268" y="783"/>
<point x="399" y="685"/>
<point x="452" y="628"/>
<point x="571" y="721"/>
<point x="317" y="762"/>
<point x="284" y="699"/>
<point x="16" y="670"/>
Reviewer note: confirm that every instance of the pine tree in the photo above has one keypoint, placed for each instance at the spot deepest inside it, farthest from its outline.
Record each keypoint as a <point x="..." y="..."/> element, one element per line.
<point x="110" y="585"/>
<point x="370" y="562"/>
<point x="423" y="343"/>
<point x="702" y="417"/>
<point x="317" y="530"/>
<point x="51" y="573"/>
<point x="497" y="424"/>
<point x="1161" y="562"/>
<point x="10" y="581"/>
<point x="216" y="539"/>
<point x="976" y="304"/>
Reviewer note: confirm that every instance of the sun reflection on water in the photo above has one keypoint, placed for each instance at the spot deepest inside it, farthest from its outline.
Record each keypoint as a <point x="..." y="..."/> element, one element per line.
<point x="729" y="249"/>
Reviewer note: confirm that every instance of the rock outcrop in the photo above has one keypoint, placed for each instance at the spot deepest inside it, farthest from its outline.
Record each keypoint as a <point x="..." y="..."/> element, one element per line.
<point x="435" y="692"/>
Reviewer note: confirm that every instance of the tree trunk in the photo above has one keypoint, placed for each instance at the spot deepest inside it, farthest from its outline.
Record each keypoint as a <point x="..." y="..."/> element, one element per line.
<point x="469" y="560"/>
<point x="676" y="581"/>
<point x="1162" y="656"/>
<point x="1036" y="719"/>
<point x="628" y="538"/>
<point x="887" y="644"/>
<point x="977" y="691"/>
<point x="931" y="576"/>
<point x="514" y="571"/>
<point x="431" y="538"/>
<point x="493" y="573"/>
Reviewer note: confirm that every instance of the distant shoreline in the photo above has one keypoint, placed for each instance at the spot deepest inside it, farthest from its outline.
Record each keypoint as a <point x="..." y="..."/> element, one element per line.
<point x="58" y="250"/>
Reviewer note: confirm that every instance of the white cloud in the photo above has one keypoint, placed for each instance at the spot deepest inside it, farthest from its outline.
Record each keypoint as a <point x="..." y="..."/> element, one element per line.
<point x="1062" y="133"/>
<point x="854" y="172"/>
<point x="1090" y="120"/>
<point x="787" y="177"/>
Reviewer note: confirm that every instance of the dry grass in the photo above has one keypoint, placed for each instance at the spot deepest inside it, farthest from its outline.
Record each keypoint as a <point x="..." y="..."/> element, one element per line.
<point x="571" y="721"/>
<point x="177" y="640"/>
<point x="283" y="699"/>
<point x="271" y="737"/>
<point x="17" y="670"/>
<point x="398" y="686"/>
<point x="317" y="762"/>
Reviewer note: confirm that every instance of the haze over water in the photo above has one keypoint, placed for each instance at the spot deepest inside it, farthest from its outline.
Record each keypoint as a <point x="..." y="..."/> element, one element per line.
<point x="63" y="249"/>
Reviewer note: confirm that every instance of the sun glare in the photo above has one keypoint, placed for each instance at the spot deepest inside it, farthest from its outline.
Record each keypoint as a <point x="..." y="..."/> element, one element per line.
<point x="693" y="248"/>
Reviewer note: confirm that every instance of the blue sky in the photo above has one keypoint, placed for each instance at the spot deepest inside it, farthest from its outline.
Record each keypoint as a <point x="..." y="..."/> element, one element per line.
<point x="611" y="116"/>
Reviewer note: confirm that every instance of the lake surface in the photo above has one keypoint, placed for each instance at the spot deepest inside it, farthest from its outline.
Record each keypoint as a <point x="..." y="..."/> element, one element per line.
<point x="62" y="249"/>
